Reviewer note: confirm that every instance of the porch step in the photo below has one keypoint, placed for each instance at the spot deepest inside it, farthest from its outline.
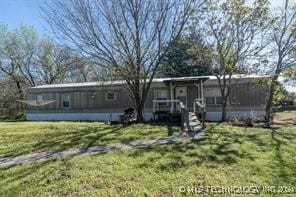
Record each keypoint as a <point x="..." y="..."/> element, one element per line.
<point x="191" y="122"/>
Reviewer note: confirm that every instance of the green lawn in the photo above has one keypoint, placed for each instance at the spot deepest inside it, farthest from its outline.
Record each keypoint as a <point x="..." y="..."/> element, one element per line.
<point x="17" y="138"/>
<point x="226" y="156"/>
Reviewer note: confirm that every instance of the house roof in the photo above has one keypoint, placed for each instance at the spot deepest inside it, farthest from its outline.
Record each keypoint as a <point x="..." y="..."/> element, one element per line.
<point x="157" y="80"/>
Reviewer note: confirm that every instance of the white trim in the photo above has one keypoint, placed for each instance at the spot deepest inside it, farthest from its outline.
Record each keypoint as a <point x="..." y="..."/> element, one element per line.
<point x="171" y="96"/>
<point x="202" y="93"/>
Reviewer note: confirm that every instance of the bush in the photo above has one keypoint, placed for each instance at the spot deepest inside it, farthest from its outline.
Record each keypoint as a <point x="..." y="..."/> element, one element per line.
<point x="19" y="116"/>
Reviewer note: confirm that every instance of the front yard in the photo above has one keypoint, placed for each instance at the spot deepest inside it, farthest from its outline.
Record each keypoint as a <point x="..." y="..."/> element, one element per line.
<point x="226" y="156"/>
<point x="17" y="138"/>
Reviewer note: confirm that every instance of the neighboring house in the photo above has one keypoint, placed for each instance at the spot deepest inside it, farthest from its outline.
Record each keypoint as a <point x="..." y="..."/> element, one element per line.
<point x="107" y="100"/>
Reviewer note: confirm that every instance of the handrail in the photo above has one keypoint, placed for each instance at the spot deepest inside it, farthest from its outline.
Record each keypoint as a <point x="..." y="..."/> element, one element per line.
<point x="182" y="106"/>
<point x="196" y="102"/>
<point x="182" y="111"/>
<point x="202" y="106"/>
<point x="200" y="100"/>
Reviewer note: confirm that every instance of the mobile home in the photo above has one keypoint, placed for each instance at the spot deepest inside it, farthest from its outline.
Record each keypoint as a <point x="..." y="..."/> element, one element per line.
<point x="101" y="101"/>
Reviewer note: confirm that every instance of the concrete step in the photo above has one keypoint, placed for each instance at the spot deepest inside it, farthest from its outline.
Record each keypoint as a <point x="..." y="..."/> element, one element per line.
<point x="191" y="122"/>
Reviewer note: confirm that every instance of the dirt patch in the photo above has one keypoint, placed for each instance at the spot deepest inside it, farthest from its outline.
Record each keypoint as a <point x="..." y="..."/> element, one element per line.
<point x="286" y="117"/>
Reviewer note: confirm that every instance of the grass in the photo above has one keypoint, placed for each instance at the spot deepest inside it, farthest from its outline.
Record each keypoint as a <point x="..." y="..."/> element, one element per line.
<point x="17" y="138"/>
<point x="226" y="156"/>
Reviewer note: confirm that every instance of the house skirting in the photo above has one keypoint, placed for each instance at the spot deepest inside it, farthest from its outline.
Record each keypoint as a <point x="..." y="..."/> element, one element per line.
<point x="255" y="115"/>
<point x="210" y="116"/>
<point x="79" y="116"/>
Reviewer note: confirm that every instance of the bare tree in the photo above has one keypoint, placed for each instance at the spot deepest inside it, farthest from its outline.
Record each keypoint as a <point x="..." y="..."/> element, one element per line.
<point x="54" y="63"/>
<point x="283" y="44"/>
<point x="128" y="37"/>
<point x="82" y="70"/>
<point x="232" y="27"/>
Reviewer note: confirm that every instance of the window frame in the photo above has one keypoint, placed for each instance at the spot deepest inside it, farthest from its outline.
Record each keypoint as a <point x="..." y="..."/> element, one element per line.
<point x="108" y="99"/>
<point x="217" y="102"/>
<point x="159" y="94"/>
<point x="38" y="96"/>
<point x="161" y="97"/>
<point x="63" y="100"/>
<point x="214" y="100"/>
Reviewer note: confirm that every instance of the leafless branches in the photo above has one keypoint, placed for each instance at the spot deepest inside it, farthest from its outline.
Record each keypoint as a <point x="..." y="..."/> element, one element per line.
<point x="128" y="37"/>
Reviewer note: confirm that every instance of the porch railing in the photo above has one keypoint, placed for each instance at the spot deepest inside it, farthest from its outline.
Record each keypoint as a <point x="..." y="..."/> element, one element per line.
<point x="172" y="107"/>
<point x="198" y="107"/>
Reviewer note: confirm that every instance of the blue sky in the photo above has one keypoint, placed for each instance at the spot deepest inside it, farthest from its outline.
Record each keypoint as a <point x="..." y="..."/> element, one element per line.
<point x="17" y="12"/>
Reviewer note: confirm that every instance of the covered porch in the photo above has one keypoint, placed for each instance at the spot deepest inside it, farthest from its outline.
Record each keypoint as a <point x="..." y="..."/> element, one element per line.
<point x="186" y="95"/>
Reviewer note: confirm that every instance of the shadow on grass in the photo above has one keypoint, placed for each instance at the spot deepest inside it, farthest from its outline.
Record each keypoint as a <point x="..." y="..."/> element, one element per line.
<point x="277" y="145"/>
<point x="16" y="180"/>
<point x="220" y="146"/>
<point x="86" y="137"/>
<point x="89" y="136"/>
<point x="61" y="141"/>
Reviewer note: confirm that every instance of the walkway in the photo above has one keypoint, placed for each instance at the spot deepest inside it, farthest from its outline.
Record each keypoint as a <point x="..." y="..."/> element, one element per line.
<point x="43" y="156"/>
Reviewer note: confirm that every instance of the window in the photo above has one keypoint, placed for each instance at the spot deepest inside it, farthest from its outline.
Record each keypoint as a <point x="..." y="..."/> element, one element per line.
<point x="213" y="96"/>
<point x="110" y="96"/>
<point x="66" y="101"/>
<point x="210" y="100"/>
<point x="162" y="95"/>
<point x="219" y="100"/>
<point x="214" y="100"/>
<point x="39" y="99"/>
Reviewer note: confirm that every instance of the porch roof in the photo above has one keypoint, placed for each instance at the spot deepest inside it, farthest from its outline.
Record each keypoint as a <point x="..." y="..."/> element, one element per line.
<point x="185" y="80"/>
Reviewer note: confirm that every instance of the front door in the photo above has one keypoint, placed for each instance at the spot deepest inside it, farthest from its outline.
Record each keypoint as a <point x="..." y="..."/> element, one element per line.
<point x="181" y="94"/>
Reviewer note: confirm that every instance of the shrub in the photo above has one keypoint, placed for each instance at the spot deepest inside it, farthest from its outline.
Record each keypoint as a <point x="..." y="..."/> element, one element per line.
<point x="19" y="116"/>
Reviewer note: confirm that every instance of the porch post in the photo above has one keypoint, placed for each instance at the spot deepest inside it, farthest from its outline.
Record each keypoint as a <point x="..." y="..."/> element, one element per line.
<point x="172" y="97"/>
<point x="203" y="113"/>
<point x="202" y="92"/>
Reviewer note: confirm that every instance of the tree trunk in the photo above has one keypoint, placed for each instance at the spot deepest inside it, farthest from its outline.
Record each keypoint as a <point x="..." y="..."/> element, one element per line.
<point x="18" y="85"/>
<point x="19" y="106"/>
<point x="224" y="112"/>
<point x="140" y="114"/>
<point x="268" y="108"/>
<point x="139" y="103"/>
